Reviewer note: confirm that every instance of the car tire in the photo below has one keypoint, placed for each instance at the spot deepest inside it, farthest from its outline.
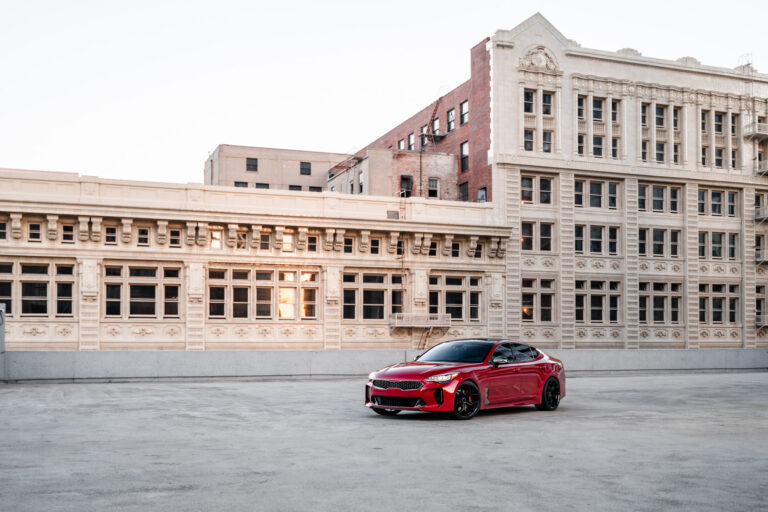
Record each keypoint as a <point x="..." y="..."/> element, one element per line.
<point x="550" y="395"/>
<point x="385" y="412"/>
<point x="466" y="401"/>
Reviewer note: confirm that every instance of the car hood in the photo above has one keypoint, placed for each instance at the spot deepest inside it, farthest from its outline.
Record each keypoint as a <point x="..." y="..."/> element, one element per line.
<point x="416" y="370"/>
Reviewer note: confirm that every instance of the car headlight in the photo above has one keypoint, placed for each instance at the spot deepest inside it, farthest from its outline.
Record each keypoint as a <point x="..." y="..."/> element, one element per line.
<point x="442" y="378"/>
<point x="371" y="375"/>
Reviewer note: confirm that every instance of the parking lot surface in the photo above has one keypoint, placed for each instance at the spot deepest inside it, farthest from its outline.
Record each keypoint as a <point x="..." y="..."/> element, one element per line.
<point x="694" y="442"/>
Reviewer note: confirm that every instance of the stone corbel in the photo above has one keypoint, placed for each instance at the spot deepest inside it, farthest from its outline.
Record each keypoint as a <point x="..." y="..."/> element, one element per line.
<point x="301" y="239"/>
<point x="502" y="250"/>
<point x="255" y="235"/>
<point x="126" y="231"/>
<point x="328" y="242"/>
<point x="392" y="245"/>
<point x="16" y="225"/>
<point x="426" y="244"/>
<point x="447" y="244"/>
<point x="365" y="240"/>
<point x="162" y="232"/>
<point x="53" y="228"/>
<point x="83" y="228"/>
<point x="472" y="246"/>
<point x="493" y="247"/>
<point x="232" y="235"/>
<point x="417" y="238"/>
<point x="338" y="243"/>
<point x="96" y="229"/>
<point x="191" y="232"/>
<point x="279" y="230"/>
<point x="202" y="233"/>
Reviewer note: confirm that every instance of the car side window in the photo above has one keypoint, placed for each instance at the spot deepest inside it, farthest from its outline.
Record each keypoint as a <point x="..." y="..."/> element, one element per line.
<point x="504" y="351"/>
<point x="523" y="353"/>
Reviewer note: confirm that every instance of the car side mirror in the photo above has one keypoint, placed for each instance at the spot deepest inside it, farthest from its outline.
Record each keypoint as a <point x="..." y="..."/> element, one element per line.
<point x="499" y="360"/>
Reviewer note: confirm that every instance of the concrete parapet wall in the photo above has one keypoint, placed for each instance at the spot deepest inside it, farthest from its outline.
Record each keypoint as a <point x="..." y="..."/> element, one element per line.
<point x="70" y="365"/>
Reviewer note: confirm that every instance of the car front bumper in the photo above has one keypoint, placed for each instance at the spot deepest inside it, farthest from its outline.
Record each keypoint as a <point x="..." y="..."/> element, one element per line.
<point x="430" y="397"/>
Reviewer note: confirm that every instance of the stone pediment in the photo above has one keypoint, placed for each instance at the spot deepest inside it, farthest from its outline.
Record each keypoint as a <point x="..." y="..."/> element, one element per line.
<point x="538" y="58"/>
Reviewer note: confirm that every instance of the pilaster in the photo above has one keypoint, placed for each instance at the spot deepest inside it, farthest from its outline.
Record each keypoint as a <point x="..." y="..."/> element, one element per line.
<point x="567" y="262"/>
<point x="195" y="280"/>
<point x="631" y="297"/>
<point x="692" y="265"/>
<point x="513" y="302"/>
<point x="88" y="277"/>
<point x="749" y="269"/>
<point x="332" y="305"/>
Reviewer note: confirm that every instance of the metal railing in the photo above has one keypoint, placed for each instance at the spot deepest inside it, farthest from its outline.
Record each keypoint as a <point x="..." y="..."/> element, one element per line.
<point x="414" y="320"/>
<point x="761" y="256"/>
<point x="761" y="168"/>
<point x="761" y="320"/>
<point x="756" y="130"/>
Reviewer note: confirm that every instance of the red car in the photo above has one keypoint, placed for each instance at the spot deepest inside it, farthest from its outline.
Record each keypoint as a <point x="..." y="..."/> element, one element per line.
<point x="464" y="376"/>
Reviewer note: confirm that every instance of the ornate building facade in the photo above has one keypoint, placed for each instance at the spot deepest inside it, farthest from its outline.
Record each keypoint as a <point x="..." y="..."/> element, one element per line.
<point x="627" y="206"/>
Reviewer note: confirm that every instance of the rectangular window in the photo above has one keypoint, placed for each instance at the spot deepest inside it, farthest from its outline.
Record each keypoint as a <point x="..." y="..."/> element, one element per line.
<point x="580" y="107"/>
<point x="731" y="204"/>
<point x="411" y="142"/>
<point x="614" y="111"/>
<point x="597" y="109"/>
<point x="305" y="168"/>
<point x="596" y="239"/>
<point x="676" y="118"/>
<point x="174" y="238"/>
<point x="704" y="156"/>
<point x="142" y="300"/>
<point x="251" y="164"/>
<point x="642" y="242"/>
<point x="597" y="146"/>
<point x="3" y="231"/>
<point x="34" y="233"/>
<point x="614" y="147"/>
<point x="718" y="157"/>
<point x="482" y="194"/>
<point x="34" y="298"/>
<point x="241" y="184"/>
<point x="433" y="188"/>
<point x="580" y="145"/>
<point x="436" y="126"/>
<point x="702" y="245"/>
<point x="644" y="151"/>
<point x="263" y="186"/>
<point x="642" y="194"/>
<point x="659" y="242"/>
<point x="613" y="240"/>
<point x="295" y="188"/>
<point x="660" y="114"/>
<point x="660" y="155"/>
<point x="613" y="195"/>
<point x="718" y="122"/>
<point x="545" y="190"/>
<point x="406" y="186"/>
<point x="658" y="199"/>
<point x="455" y="250"/>
<point x="578" y="193"/>
<point x="464" y="191"/>
<point x="595" y="194"/>
<point x="401" y="144"/>
<point x="68" y="233"/>
<point x="676" y="153"/>
<point x="464" y="149"/>
<point x="464" y="112"/>
<point x="264" y="241"/>
<point x="349" y="245"/>
<point x="451" y="120"/>
<point x="547" y="142"/>
<point x="546" y="104"/>
<point x="644" y="114"/>
<point x="578" y="236"/>
<point x="528" y="96"/>
<point x="528" y="140"/>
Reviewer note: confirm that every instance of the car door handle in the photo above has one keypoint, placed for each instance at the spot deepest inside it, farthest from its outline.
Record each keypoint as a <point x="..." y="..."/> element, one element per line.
<point x="515" y="370"/>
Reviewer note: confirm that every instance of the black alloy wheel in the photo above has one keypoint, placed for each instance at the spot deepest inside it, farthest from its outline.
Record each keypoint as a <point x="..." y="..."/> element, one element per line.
<point x="550" y="395"/>
<point x="385" y="412"/>
<point x="466" y="402"/>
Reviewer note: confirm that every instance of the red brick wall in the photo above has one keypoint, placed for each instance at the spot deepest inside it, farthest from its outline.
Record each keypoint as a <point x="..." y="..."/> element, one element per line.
<point x="477" y="130"/>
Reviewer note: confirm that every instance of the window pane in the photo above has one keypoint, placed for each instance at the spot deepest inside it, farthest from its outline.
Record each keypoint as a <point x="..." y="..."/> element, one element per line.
<point x="454" y="302"/>
<point x="287" y="303"/>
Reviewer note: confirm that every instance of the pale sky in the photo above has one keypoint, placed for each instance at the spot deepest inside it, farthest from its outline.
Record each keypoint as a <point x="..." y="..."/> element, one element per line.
<point x="146" y="89"/>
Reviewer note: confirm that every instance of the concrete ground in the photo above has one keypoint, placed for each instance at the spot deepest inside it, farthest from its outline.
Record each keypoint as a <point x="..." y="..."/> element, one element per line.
<point x="694" y="442"/>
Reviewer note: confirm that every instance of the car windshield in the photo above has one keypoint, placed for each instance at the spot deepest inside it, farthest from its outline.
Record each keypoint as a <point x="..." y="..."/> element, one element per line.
<point x="458" y="352"/>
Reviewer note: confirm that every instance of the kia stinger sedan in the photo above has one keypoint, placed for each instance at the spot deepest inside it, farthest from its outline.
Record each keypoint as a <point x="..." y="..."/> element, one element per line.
<point x="462" y="377"/>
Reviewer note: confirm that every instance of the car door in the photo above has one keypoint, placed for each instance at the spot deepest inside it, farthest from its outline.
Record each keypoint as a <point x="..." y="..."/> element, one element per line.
<point x="501" y="383"/>
<point x="529" y="371"/>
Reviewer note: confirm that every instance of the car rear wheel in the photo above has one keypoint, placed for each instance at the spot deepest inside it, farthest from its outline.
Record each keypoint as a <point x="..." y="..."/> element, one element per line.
<point x="385" y="412"/>
<point x="550" y="395"/>
<point x="466" y="401"/>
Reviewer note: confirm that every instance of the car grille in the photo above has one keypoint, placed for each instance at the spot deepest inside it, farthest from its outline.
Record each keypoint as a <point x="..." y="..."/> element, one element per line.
<point x="397" y="401"/>
<point x="399" y="384"/>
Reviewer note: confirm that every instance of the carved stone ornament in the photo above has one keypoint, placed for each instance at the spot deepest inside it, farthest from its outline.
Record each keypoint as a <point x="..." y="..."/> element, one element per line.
<point x="644" y="266"/>
<point x="218" y="331"/>
<point x="703" y="268"/>
<point x="615" y="265"/>
<point x="581" y="333"/>
<point x="242" y="331"/>
<point x="142" y="331"/>
<point x="35" y="331"/>
<point x="113" y="331"/>
<point x="547" y="333"/>
<point x="538" y="58"/>
<point x="63" y="331"/>
<point x="547" y="262"/>
<point x="350" y="332"/>
<point x="172" y="332"/>
<point x="734" y="334"/>
<point x="529" y="333"/>
<point x="676" y="268"/>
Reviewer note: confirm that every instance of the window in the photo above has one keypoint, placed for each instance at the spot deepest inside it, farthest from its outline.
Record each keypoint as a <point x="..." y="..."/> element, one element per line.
<point x="216" y="237"/>
<point x="369" y="296"/>
<point x="580" y="107"/>
<point x="660" y="115"/>
<point x="34" y="232"/>
<point x="251" y="164"/>
<point x="711" y="202"/>
<point x="538" y="297"/>
<point x="148" y="291"/>
<point x="264" y="241"/>
<point x="406" y="186"/>
<point x="261" y="185"/>
<point x="734" y="121"/>
<point x="660" y="154"/>
<point x="110" y="235"/>
<point x="597" y="146"/>
<point x="719" y="304"/>
<point x="432" y="249"/>
<point x="424" y="130"/>
<point x="349" y="245"/>
<point x="718" y="122"/>
<point x="241" y="184"/>
<point x="718" y="246"/>
<point x="464" y="149"/>
<point x="665" y="242"/>
<point x="451" y="120"/>
<point x="464" y="112"/>
<point x="614" y="147"/>
<point x="719" y="157"/>
<point x="592" y="238"/>
<point x="547" y="142"/>
<point x="455" y="295"/>
<point x="676" y="118"/>
<point x="597" y="302"/>
<point x="411" y="142"/>
<point x="464" y="191"/>
<point x="528" y="96"/>
<point x="296" y="188"/>
<point x="676" y="153"/>
<point x="455" y="250"/>
<point x="660" y="302"/>
<point x="546" y="103"/>
<point x="305" y="168"/>
<point x="375" y="245"/>
<point x="3" y="230"/>
<point x="320" y="189"/>
<point x="644" y="114"/>
<point x="535" y="190"/>
<point x="704" y="115"/>
<point x="143" y="237"/>
<point x="615" y="111"/>
<point x="436" y="125"/>
<point x="528" y="140"/>
<point x="312" y="243"/>
<point x="68" y="233"/>
<point x="580" y="145"/>
<point x="433" y="188"/>
<point x="401" y="144"/>
<point x="536" y="236"/>
<point x="597" y="109"/>
<point x="482" y="194"/>
<point x="597" y="190"/>
<point x="644" y="151"/>
<point x="704" y="156"/>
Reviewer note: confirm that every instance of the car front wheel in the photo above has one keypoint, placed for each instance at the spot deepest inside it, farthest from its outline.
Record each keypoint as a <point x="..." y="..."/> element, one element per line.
<point x="550" y="395"/>
<point x="466" y="401"/>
